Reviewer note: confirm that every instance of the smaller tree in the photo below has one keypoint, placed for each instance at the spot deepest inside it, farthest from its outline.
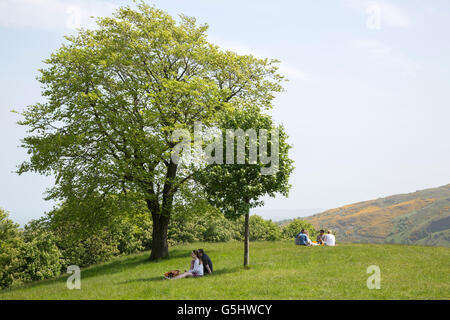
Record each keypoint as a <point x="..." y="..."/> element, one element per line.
<point x="238" y="186"/>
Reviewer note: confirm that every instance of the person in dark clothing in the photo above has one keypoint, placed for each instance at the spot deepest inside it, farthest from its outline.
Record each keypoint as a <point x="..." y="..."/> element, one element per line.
<point x="320" y="237"/>
<point x="207" y="263"/>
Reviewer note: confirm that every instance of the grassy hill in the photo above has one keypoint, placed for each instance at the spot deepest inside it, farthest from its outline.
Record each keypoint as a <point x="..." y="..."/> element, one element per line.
<point x="279" y="270"/>
<point x="421" y="217"/>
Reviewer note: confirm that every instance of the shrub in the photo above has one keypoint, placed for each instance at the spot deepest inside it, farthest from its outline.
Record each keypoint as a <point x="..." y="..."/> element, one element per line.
<point x="295" y="226"/>
<point x="9" y="255"/>
<point x="219" y="229"/>
<point x="26" y="256"/>
<point x="38" y="259"/>
<point x="97" y="230"/>
<point x="10" y="243"/>
<point x="8" y="229"/>
<point x="262" y="230"/>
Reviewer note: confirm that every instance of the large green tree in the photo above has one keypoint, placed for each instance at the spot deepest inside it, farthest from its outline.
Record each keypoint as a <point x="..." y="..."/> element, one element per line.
<point x="237" y="187"/>
<point x="116" y="94"/>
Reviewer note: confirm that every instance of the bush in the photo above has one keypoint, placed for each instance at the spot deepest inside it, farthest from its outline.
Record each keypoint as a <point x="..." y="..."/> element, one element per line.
<point x="96" y="229"/>
<point x="262" y="230"/>
<point x="38" y="259"/>
<point x="183" y="229"/>
<point x="26" y="256"/>
<point x="295" y="226"/>
<point x="200" y="223"/>
<point x="8" y="229"/>
<point x="9" y="256"/>
<point x="220" y="229"/>
<point x="10" y="243"/>
<point x="209" y="225"/>
<point x="86" y="251"/>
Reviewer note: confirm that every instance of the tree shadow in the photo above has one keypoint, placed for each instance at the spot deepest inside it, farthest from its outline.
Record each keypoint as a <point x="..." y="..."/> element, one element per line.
<point x="132" y="262"/>
<point x="174" y="254"/>
<point x="114" y="266"/>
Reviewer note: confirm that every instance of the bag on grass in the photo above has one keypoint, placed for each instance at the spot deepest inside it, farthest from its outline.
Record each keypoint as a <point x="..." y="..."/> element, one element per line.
<point x="172" y="273"/>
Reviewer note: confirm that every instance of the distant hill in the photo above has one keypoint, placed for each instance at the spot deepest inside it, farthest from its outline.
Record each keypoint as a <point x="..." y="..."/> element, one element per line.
<point x="421" y="217"/>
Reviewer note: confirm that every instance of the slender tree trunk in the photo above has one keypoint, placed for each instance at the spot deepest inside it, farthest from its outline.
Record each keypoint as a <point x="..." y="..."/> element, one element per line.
<point x="247" y="240"/>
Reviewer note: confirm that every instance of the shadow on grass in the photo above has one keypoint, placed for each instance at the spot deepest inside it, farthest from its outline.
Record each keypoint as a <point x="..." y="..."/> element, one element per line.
<point x="161" y="278"/>
<point x="120" y="265"/>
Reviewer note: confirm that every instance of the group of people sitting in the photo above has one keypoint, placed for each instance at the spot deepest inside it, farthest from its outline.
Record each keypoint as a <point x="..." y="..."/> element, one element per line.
<point x="323" y="239"/>
<point x="200" y="264"/>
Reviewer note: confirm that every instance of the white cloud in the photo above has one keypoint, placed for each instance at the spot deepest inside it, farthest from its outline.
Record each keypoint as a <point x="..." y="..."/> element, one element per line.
<point x="52" y="15"/>
<point x="383" y="12"/>
<point x="381" y="53"/>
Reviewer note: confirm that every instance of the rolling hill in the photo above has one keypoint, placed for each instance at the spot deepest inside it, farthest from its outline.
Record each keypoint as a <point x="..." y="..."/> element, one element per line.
<point x="421" y="218"/>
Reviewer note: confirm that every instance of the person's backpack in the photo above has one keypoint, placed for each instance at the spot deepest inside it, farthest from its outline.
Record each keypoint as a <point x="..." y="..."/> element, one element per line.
<point x="172" y="273"/>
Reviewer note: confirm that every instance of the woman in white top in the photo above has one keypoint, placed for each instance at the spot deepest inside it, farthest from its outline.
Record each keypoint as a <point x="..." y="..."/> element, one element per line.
<point x="329" y="239"/>
<point x="196" y="269"/>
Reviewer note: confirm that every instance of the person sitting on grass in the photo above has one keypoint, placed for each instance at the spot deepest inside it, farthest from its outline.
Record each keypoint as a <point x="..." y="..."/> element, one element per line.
<point x="206" y="260"/>
<point x="320" y="237"/>
<point x="303" y="239"/>
<point x="297" y="237"/>
<point x="329" y="239"/>
<point x="196" y="267"/>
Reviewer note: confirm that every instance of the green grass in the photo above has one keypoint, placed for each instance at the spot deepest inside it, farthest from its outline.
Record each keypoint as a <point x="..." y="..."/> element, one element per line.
<point x="279" y="270"/>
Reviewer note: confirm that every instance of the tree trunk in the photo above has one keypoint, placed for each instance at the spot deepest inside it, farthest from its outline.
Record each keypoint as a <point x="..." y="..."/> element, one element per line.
<point x="247" y="240"/>
<point x="160" y="248"/>
<point x="161" y="216"/>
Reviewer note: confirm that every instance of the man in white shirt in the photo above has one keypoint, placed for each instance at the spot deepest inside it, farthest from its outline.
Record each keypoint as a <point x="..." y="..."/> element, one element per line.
<point x="329" y="239"/>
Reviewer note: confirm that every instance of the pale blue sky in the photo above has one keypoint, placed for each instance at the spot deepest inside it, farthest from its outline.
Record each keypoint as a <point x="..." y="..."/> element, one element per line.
<point x="367" y="108"/>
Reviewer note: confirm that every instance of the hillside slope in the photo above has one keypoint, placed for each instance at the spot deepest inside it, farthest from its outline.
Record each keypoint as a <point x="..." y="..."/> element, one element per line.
<point x="421" y="217"/>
